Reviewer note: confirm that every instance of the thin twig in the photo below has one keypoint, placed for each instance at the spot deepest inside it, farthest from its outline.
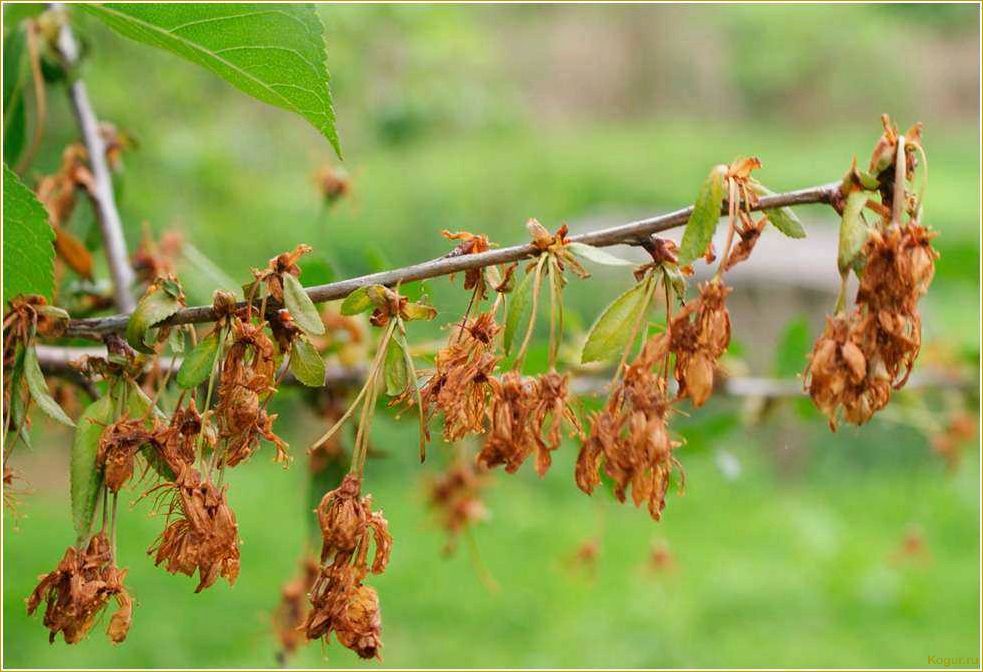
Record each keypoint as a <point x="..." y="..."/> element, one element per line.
<point x="102" y="194"/>
<point x="626" y="234"/>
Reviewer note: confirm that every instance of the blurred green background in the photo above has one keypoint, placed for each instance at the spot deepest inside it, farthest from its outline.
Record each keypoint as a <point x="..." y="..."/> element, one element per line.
<point x="792" y="546"/>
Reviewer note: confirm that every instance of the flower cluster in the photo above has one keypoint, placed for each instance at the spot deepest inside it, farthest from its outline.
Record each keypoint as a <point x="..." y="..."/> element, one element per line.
<point x="525" y="416"/>
<point x="630" y="435"/>
<point x="461" y="381"/>
<point x="247" y="380"/>
<point x="204" y="537"/>
<point x="340" y="602"/>
<point x="78" y="590"/>
<point x="866" y="353"/>
<point x="698" y="337"/>
<point x="455" y="497"/>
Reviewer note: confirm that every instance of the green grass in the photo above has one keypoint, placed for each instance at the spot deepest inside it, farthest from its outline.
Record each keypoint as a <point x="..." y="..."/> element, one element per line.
<point x="771" y="569"/>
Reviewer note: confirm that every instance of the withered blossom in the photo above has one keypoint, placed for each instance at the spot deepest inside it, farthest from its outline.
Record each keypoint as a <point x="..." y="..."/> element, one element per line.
<point x="865" y="353"/>
<point x="247" y="379"/>
<point x="511" y="437"/>
<point x="204" y="537"/>
<point x="340" y="602"/>
<point x="176" y="442"/>
<point x="77" y="591"/>
<point x="119" y="444"/>
<point x="520" y="411"/>
<point x="698" y="336"/>
<point x="460" y="384"/>
<point x="474" y="278"/>
<point x="629" y="437"/>
<point x="455" y="497"/>
<point x="291" y="612"/>
<point x="272" y="275"/>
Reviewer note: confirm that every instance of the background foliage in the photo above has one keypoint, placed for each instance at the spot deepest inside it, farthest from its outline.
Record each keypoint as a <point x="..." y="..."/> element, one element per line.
<point x="786" y="545"/>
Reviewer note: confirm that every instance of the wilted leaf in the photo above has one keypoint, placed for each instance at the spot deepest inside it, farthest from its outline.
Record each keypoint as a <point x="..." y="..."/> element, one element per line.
<point x="420" y="311"/>
<point x="306" y="363"/>
<point x="86" y="477"/>
<point x="703" y="221"/>
<point x="597" y="255"/>
<point x="301" y="308"/>
<point x="275" y="53"/>
<point x="853" y="231"/>
<point x="198" y="364"/>
<point x="609" y="334"/>
<point x="394" y="372"/>
<point x="28" y="255"/>
<point x="153" y="308"/>
<point x="39" y="389"/>
<point x="518" y="310"/>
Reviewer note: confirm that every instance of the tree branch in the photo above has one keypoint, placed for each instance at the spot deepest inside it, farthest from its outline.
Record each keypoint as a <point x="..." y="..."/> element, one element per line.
<point x="102" y="195"/>
<point x="632" y="233"/>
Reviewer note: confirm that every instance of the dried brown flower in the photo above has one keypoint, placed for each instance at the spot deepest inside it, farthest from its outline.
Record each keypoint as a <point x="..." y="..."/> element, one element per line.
<point x="248" y="371"/>
<point x="333" y="183"/>
<point x="118" y="447"/>
<point x="77" y="591"/>
<point x="460" y="384"/>
<point x="455" y="497"/>
<point x="471" y="243"/>
<point x="630" y="436"/>
<point x="285" y="262"/>
<point x="204" y="537"/>
<point x="699" y="336"/>
<point x="340" y="602"/>
<point x="291" y="612"/>
<point x="862" y="355"/>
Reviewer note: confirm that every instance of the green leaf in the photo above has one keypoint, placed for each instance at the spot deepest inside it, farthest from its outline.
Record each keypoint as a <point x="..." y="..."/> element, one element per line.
<point x="39" y="389"/>
<point x="306" y="363"/>
<point x="153" y="308"/>
<point x="14" y="117"/>
<point x="703" y="221"/>
<point x="18" y="408"/>
<point x="518" y="309"/>
<point x="275" y="53"/>
<point x="673" y="277"/>
<point x="853" y="231"/>
<point x="301" y="308"/>
<point x="394" y="371"/>
<point x="198" y="364"/>
<point x="86" y="477"/>
<point x="782" y="219"/>
<point x="597" y="255"/>
<point x="138" y="403"/>
<point x="357" y="302"/>
<point x="28" y="241"/>
<point x="612" y="329"/>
